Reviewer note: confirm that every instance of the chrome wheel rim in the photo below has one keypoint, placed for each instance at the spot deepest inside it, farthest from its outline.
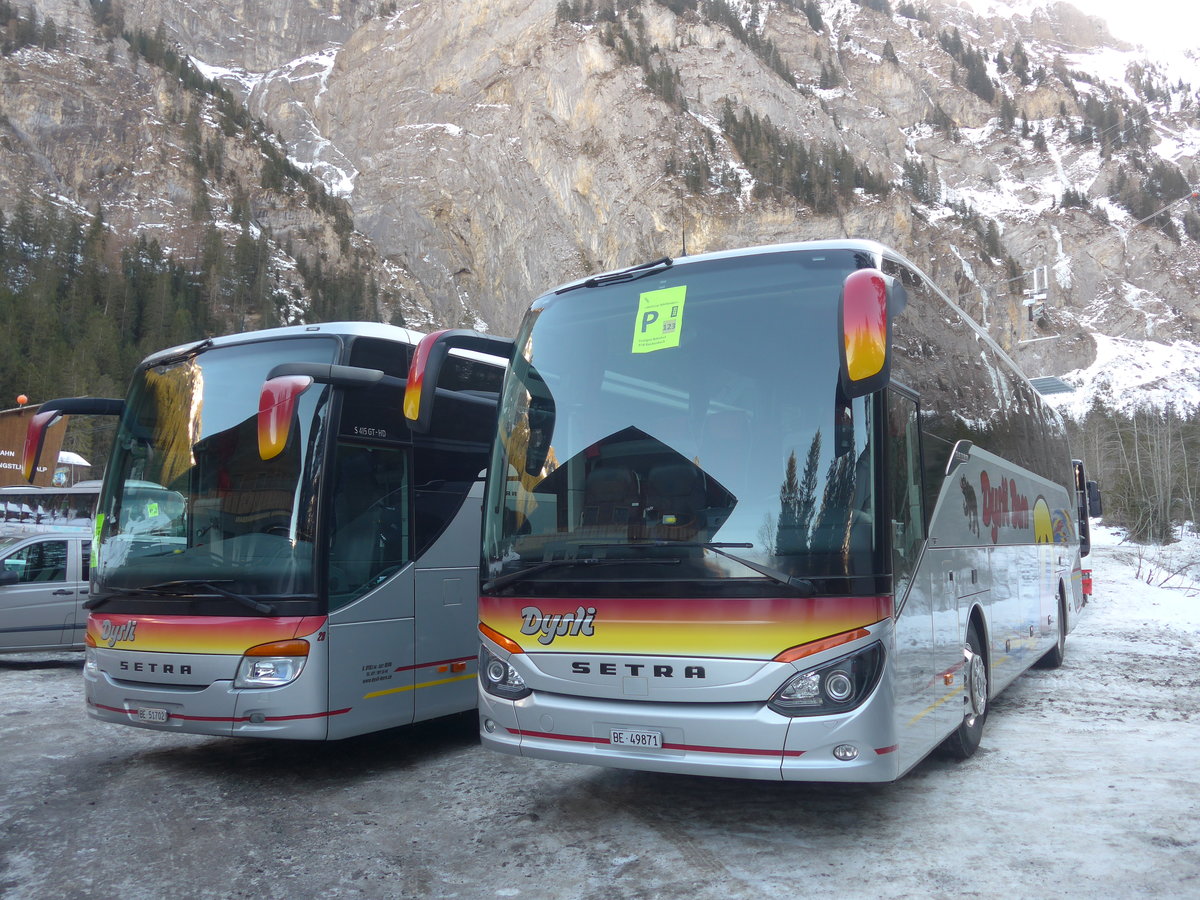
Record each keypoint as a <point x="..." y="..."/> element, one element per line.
<point x="976" y="685"/>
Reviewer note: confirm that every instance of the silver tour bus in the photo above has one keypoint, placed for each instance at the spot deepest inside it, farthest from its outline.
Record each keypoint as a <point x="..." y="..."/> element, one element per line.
<point x="277" y="553"/>
<point x="780" y="513"/>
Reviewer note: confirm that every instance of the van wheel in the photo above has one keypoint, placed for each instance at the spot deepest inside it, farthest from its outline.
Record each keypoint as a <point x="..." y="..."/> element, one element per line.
<point x="1053" y="658"/>
<point x="965" y="739"/>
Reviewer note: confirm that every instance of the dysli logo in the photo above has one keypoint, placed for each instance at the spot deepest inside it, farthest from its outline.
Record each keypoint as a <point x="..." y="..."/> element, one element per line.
<point x="551" y="625"/>
<point x="111" y="633"/>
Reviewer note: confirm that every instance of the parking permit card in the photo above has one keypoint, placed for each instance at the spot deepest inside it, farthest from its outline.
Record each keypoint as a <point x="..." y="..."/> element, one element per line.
<point x="659" y="319"/>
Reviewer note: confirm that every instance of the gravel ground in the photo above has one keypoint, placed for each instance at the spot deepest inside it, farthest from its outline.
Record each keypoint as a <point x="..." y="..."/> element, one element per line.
<point x="1085" y="786"/>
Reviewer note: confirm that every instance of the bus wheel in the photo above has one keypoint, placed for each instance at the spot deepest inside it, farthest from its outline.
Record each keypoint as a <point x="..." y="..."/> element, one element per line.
<point x="1053" y="658"/>
<point x="965" y="739"/>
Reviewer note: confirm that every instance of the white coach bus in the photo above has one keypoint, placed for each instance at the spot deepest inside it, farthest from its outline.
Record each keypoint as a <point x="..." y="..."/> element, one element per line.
<point x="277" y="554"/>
<point x="780" y="513"/>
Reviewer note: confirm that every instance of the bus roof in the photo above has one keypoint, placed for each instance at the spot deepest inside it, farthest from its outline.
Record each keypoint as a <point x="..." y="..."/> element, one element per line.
<point x="363" y="329"/>
<point x="874" y="248"/>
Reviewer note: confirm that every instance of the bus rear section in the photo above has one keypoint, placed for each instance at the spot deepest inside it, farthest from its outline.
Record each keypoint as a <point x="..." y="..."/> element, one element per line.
<point x="774" y="513"/>
<point x="291" y="562"/>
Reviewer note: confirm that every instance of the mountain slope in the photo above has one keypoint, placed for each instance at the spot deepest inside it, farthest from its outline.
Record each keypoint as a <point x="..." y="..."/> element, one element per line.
<point x="489" y="150"/>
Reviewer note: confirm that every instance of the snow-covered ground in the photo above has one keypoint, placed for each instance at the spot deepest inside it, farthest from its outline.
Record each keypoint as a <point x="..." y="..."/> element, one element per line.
<point x="1085" y="786"/>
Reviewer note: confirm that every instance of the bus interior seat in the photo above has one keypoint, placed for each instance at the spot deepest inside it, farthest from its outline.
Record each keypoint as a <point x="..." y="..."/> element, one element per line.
<point x="610" y="496"/>
<point x="675" y="498"/>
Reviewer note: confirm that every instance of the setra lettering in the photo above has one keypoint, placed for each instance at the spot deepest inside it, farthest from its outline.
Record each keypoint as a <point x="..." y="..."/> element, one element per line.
<point x="659" y="670"/>
<point x="159" y="668"/>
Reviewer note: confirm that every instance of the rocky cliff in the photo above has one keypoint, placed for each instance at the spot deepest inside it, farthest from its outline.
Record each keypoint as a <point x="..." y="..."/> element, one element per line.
<point x="488" y="150"/>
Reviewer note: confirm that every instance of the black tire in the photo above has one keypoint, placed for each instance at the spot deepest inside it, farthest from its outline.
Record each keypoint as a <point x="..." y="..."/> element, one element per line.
<point x="1053" y="658"/>
<point x="965" y="740"/>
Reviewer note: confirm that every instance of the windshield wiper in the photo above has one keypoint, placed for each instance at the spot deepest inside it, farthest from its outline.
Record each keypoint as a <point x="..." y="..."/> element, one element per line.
<point x="534" y="568"/>
<point x="96" y="602"/>
<point x="177" y="587"/>
<point x="633" y="272"/>
<point x="803" y="586"/>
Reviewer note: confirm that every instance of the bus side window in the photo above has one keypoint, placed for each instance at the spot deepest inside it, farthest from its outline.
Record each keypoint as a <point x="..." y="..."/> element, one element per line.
<point x="905" y="512"/>
<point x="369" y="540"/>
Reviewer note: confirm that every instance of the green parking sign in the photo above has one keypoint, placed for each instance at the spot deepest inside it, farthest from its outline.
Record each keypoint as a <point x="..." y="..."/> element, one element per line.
<point x="659" y="319"/>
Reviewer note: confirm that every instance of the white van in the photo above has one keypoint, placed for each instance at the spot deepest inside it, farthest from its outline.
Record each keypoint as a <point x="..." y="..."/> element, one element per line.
<point x="43" y="584"/>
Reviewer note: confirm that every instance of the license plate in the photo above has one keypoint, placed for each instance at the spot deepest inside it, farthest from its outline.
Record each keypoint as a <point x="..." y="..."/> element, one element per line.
<point x="638" y="740"/>
<point x="151" y="714"/>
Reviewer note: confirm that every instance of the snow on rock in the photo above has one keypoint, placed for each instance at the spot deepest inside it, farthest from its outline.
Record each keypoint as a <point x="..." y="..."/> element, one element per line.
<point x="1130" y="374"/>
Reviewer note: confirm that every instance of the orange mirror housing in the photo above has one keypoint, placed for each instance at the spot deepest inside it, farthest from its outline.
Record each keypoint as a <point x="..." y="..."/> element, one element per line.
<point x="866" y="331"/>
<point x="276" y="408"/>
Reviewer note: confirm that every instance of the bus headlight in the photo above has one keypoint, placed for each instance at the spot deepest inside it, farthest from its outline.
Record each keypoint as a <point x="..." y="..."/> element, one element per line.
<point x="832" y="687"/>
<point x="271" y="665"/>
<point x="500" y="678"/>
<point x="91" y="666"/>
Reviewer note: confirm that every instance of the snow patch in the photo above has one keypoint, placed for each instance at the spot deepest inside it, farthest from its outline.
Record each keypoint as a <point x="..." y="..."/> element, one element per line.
<point x="1130" y="374"/>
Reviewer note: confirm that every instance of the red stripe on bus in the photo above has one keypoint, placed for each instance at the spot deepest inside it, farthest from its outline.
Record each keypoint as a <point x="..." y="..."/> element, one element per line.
<point x="319" y="715"/>
<point x="440" y="662"/>
<point x="688" y="747"/>
<point x="230" y="719"/>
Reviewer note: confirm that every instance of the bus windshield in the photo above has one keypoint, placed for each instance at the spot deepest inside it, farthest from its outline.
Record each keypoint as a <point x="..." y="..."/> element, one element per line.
<point x="685" y="425"/>
<point x="189" y="501"/>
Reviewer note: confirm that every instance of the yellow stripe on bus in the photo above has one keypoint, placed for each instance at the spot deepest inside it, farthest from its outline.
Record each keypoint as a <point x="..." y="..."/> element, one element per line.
<point x="413" y="687"/>
<point x="954" y="693"/>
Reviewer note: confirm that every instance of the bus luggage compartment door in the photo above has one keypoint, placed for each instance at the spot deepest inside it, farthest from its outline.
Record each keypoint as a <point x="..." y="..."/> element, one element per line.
<point x="371" y="646"/>
<point x="447" y="641"/>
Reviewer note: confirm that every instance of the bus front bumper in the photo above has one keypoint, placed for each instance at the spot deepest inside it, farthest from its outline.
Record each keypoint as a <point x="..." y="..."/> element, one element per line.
<point x="217" y="709"/>
<point x="732" y="740"/>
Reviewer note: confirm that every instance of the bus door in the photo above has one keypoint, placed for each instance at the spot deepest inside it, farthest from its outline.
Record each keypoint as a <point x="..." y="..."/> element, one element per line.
<point x="964" y="576"/>
<point x="916" y="694"/>
<point x="371" y="584"/>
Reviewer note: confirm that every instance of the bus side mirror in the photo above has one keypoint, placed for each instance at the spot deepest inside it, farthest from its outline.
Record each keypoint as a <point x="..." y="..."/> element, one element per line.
<point x="868" y="303"/>
<point x="421" y="389"/>
<point x="1095" y="504"/>
<point x="49" y="414"/>
<point x="283" y="387"/>
<point x="35" y="437"/>
<point x="541" y="423"/>
<point x="276" y="408"/>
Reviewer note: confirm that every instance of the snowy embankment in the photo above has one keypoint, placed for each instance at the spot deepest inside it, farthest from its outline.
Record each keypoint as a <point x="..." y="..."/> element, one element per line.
<point x="1149" y="586"/>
